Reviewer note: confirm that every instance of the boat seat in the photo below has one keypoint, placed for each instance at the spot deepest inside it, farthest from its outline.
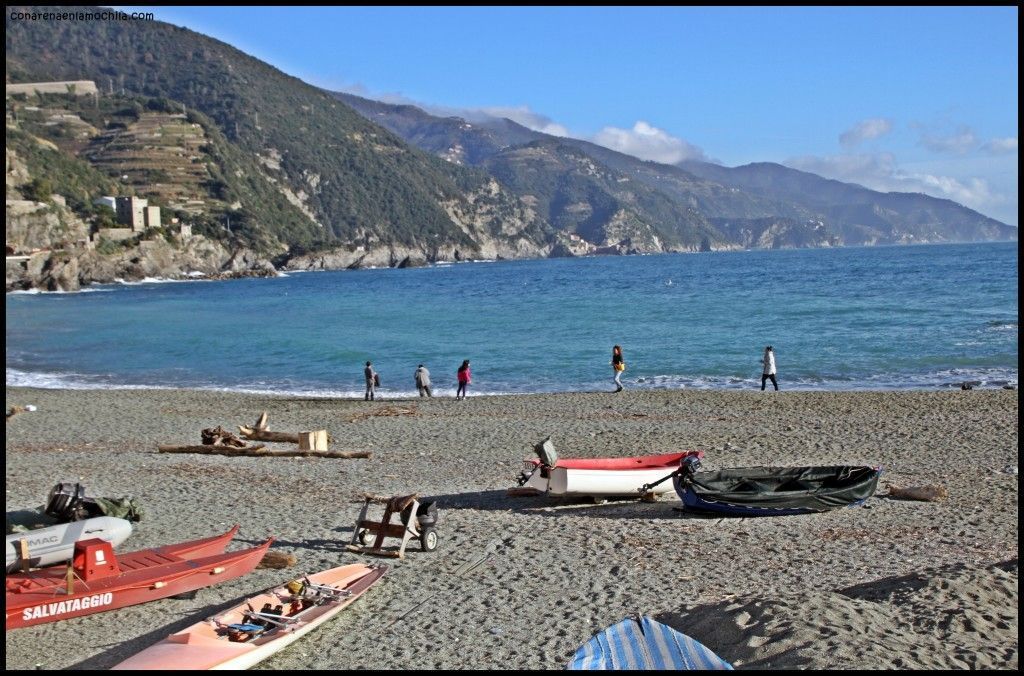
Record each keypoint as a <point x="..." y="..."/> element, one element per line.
<point x="795" y="485"/>
<point x="751" y="486"/>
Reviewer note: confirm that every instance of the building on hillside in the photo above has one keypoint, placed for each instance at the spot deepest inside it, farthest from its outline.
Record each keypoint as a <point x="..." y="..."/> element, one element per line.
<point x="151" y="217"/>
<point x="136" y="213"/>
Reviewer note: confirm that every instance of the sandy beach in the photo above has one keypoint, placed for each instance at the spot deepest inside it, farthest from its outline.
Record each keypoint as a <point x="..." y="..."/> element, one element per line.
<point x="890" y="584"/>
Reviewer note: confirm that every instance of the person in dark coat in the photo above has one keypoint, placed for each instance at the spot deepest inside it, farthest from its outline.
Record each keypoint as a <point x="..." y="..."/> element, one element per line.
<point x="618" y="366"/>
<point x="371" y="381"/>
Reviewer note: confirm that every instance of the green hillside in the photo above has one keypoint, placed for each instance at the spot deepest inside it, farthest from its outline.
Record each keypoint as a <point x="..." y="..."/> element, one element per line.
<point x="86" y="147"/>
<point x="578" y="195"/>
<point x="361" y="182"/>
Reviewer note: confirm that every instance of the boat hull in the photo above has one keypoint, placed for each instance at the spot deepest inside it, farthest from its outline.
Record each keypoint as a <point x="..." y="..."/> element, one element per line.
<point x="604" y="477"/>
<point x="205" y="646"/>
<point x="40" y="596"/>
<point x="55" y="544"/>
<point x="776" y="491"/>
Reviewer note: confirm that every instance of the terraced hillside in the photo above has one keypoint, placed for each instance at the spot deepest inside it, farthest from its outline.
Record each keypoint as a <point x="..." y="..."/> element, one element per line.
<point x="161" y="155"/>
<point x="348" y="183"/>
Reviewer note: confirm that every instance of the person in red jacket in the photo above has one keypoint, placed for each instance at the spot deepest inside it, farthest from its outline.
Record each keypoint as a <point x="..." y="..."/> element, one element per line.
<point x="464" y="379"/>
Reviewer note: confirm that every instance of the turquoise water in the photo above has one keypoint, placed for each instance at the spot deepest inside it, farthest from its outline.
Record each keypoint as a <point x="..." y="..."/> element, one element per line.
<point x="924" y="317"/>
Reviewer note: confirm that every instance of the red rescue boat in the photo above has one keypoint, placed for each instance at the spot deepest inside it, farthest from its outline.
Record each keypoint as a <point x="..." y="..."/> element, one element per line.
<point x="99" y="580"/>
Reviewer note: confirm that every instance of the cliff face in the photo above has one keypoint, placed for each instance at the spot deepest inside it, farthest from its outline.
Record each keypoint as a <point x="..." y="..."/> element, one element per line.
<point x="50" y="247"/>
<point x="53" y="253"/>
<point x="69" y="269"/>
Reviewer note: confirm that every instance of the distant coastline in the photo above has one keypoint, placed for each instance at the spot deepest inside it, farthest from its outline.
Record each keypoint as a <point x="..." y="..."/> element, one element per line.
<point x="265" y="268"/>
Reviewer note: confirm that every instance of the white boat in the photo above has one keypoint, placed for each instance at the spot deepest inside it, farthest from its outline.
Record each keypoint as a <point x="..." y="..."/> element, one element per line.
<point x="599" y="477"/>
<point x="56" y="544"/>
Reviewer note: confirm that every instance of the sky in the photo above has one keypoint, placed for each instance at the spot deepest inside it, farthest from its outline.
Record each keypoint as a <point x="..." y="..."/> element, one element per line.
<point x="909" y="99"/>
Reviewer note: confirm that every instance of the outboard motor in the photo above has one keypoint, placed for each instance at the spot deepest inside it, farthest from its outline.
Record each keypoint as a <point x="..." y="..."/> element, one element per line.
<point x="689" y="466"/>
<point x="545" y="450"/>
<point x="66" y="502"/>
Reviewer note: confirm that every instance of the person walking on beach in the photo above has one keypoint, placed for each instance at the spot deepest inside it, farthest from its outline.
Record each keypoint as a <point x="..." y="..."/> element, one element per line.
<point x="422" y="378"/>
<point x="372" y="380"/>
<point x="618" y="366"/>
<point x="464" y="377"/>
<point x="768" y="362"/>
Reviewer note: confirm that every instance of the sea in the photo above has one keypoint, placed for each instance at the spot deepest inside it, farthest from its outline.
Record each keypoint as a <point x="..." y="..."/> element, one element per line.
<point x="927" y="317"/>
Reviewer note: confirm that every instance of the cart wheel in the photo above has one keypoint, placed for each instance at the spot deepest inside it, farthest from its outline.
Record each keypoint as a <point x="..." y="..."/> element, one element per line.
<point x="365" y="537"/>
<point x="429" y="540"/>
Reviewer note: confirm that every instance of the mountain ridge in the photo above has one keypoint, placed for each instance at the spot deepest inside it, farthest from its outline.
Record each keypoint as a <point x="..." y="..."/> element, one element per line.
<point x="726" y="195"/>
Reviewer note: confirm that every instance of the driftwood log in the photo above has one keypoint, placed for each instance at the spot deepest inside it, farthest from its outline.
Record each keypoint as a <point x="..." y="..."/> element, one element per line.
<point x="217" y="436"/>
<point x="260" y="432"/>
<point x="261" y="451"/>
<point x="253" y="434"/>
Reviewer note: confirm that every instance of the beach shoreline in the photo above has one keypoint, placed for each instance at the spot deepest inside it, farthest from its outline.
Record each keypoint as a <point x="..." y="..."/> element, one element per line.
<point x="830" y="590"/>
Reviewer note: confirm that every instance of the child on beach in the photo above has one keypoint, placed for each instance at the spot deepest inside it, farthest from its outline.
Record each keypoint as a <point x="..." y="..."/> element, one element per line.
<point x="618" y="366"/>
<point x="464" y="379"/>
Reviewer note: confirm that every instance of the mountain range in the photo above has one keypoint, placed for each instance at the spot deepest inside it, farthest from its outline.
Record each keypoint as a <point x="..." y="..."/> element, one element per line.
<point x="311" y="178"/>
<point x="755" y="205"/>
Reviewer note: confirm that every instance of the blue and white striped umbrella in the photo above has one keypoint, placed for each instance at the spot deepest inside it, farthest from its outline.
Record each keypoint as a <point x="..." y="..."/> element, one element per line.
<point x="644" y="644"/>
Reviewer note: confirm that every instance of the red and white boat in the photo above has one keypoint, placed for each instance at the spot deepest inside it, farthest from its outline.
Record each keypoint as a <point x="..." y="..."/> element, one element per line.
<point x="255" y="629"/>
<point x="99" y="580"/>
<point x="599" y="477"/>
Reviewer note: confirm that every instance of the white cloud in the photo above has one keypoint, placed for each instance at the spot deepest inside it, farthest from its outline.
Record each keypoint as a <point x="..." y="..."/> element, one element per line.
<point x="644" y="140"/>
<point x="864" y="130"/>
<point x="521" y="115"/>
<point x="880" y="171"/>
<point x="648" y="143"/>
<point x="392" y="98"/>
<point x="1001" y="146"/>
<point x="959" y="143"/>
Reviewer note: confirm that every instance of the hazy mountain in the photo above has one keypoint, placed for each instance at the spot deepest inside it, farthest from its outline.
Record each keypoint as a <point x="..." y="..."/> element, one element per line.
<point x="665" y="203"/>
<point x="861" y="215"/>
<point x="754" y="205"/>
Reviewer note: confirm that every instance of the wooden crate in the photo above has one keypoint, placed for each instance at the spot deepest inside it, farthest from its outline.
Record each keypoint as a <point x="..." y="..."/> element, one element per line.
<point x="313" y="441"/>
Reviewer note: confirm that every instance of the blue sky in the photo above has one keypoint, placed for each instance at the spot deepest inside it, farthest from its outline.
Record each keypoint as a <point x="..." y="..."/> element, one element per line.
<point x="912" y="99"/>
